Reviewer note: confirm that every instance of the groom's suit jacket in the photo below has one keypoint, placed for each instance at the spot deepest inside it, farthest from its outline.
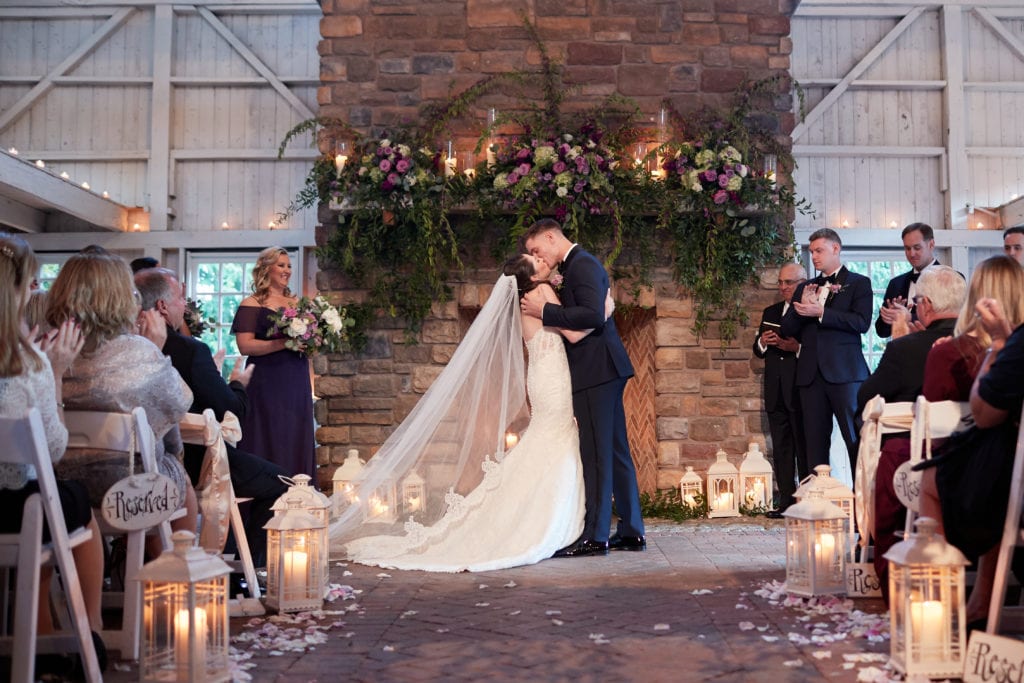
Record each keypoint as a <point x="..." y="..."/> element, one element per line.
<point x="600" y="356"/>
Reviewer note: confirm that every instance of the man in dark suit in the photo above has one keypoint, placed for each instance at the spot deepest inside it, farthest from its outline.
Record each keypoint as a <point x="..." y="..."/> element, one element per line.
<point x="919" y="248"/>
<point x="900" y="377"/>
<point x="827" y="316"/>
<point x="251" y="476"/>
<point x="781" y="402"/>
<point x="1013" y="243"/>
<point x="599" y="368"/>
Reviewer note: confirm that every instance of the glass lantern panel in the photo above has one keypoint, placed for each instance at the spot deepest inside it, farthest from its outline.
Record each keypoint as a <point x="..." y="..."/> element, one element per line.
<point x="927" y="618"/>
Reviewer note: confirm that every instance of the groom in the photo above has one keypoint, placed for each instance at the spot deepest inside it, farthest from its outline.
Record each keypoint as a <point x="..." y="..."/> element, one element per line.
<point x="599" y="368"/>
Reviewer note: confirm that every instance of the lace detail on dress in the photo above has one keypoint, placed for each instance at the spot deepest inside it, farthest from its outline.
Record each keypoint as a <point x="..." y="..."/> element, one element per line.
<point x="32" y="389"/>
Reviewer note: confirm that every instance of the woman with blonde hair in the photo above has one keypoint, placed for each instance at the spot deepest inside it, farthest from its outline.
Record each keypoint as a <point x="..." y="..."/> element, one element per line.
<point x="30" y="378"/>
<point x="118" y="370"/>
<point x="279" y="423"/>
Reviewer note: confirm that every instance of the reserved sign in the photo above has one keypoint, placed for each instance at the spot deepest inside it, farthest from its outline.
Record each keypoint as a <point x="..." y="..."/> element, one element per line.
<point x="993" y="659"/>
<point x="907" y="484"/>
<point x="862" y="580"/>
<point x="140" y="501"/>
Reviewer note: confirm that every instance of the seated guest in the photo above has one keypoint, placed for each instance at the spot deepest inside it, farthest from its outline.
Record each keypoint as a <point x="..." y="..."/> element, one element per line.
<point x="251" y="477"/>
<point x="950" y="373"/>
<point x="30" y="378"/>
<point x="118" y="371"/>
<point x="899" y="377"/>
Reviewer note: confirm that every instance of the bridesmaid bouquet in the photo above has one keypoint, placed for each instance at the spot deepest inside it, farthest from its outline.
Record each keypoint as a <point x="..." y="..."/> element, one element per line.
<point x="313" y="326"/>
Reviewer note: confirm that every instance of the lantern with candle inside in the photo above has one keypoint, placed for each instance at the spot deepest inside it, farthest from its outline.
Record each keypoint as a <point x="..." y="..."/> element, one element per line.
<point x="723" y="486"/>
<point x="380" y="504"/>
<point x="451" y="162"/>
<point x="815" y="547"/>
<point x="340" y="156"/>
<point x="756" y="482"/>
<point x="839" y="494"/>
<point x="691" y="489"/>
<point x="926" y="605"/>
<point x="185" y="615"/>
<point x="414" y="493"/>
<point x="295" y="577"/>
<point x="344" y="480"/>
<point x="315" y="503"/>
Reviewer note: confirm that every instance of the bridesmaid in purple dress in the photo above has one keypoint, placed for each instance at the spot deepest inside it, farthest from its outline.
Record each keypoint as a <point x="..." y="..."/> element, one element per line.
<point x="279" y="423"/>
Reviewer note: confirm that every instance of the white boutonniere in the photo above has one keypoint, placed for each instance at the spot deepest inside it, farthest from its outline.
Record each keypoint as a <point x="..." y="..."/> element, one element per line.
<point x="835" y="288"/>
<point x="556" y="281"/>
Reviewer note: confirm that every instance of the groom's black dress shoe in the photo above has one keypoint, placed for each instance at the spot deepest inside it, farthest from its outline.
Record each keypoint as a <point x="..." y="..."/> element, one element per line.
<point x="635" y="543"/>
<point x="774" y="514"/>
<point x="583" y="548"/>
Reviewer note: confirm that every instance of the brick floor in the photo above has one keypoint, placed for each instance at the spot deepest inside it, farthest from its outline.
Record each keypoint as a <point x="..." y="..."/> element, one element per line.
<point x="624" y="617"/>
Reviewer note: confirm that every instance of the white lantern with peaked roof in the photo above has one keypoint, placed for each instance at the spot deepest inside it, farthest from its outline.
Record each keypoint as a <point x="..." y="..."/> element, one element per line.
<point x="315" y="503"/>
<point x="185" y="615"/>
<point x="414" y="493"/>
<point x="926" y="605"/>
<point x="295" y="575"/>
<point x="723" y="487"/>
<point x="344" y="479"/>
<point x="815" y="547"/>
<point x="691" y="489"/>
<point x="838" y="493"/>
<point x="756" y="482"/>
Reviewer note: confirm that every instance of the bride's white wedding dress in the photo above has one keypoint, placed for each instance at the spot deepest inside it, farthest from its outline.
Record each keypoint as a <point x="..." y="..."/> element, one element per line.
<point x="526" y="507"/>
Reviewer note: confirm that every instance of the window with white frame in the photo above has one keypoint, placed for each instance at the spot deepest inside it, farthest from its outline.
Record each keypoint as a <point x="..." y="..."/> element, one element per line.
<point x="218" y="281"/>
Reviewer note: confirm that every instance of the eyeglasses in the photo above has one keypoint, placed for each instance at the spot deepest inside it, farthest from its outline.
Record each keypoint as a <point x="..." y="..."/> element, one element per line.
<point x="918" y="298"/>
<point x="787" y="283"/>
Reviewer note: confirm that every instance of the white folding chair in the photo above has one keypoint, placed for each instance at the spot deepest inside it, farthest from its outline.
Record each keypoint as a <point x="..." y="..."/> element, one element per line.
<point x="25" y="444"/>
<point x="879" y="418"/>
<point x="215" y="484"/>
<point x="932" y="420"/>
<point x="1012" y="538"/>
<point x="126" y="433"/>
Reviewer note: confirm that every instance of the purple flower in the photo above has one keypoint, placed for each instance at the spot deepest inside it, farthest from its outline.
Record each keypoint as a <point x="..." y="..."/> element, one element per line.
<point x="524" y="153"/>
<point x="558" y="167"/>
<point x="394" y="179"/>
<point x="524" y="169"/>
<point x="578" y="187"/>
<point x="709" y="175"/>
<point x="512" y="178"/>
<point x="385" y="151"/>
<point x="385" y="165"/>
<point x="723" y="180"/>
<point x="403" y="165"/>
<point x="386" y="186"/>
<point x="721" y="197"/>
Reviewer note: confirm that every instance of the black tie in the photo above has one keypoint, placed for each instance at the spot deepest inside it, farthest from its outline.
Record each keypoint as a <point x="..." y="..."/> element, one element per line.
<point x="831" y="279"/>
<point x="914" y="276"/>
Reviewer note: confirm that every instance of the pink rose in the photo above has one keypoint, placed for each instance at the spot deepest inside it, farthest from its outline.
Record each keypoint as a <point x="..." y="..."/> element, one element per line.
<point x="385" y="165"/>
<point x="556" y="280"/>
<point x="721" y="197"/>
<point x="558" y="167"/>
<point x="402" y="166"/>
<point x="524" y="169"/>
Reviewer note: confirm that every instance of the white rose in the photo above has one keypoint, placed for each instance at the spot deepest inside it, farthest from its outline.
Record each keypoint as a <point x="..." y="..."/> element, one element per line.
<point x="385" y="143"/>
<point x="297" y="327"/>
<point x="333" y="320"/>
<point x="562" y="191"/>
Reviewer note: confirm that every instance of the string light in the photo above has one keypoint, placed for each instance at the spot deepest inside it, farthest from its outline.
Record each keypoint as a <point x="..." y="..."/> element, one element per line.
<point x="40" y="164"/>
<point x="85" y="186"/>
<point x="846" y="224"/>
<point x="106" y="195"/>
<point x="225" y="225"/>
<point x="13" y="151"/>
<point x="893" y="224"/>
<point x="64" y="175"/>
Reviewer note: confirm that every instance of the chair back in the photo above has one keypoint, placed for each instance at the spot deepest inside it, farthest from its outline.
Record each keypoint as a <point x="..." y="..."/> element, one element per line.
<point x="24" y="440"/>
<point x="127" y="432"/>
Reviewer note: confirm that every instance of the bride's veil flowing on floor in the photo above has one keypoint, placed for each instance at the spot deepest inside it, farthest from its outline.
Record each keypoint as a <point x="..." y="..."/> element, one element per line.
<point x="459" y="423"/>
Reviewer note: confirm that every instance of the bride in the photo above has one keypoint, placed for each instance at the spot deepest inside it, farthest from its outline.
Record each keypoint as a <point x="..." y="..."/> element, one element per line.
<point x="443" y="494"/>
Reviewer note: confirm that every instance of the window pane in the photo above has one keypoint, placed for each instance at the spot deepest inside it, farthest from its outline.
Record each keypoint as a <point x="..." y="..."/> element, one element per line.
<point x="207" y="277"/>
<point x="232" y="278"/>
<point x="229" y="305"/>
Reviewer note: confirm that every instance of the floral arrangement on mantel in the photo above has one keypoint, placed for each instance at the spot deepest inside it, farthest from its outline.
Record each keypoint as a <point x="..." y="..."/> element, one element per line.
<point x="702" y="185"/>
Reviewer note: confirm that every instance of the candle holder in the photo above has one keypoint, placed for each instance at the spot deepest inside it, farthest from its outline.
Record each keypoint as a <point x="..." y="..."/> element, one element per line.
<point x="756" y="479"/>
<point x="691" y="489"/>
<point x="294" y="550"/>
<point x="315" y="503"/>
<point x="451" y="161"/>
<point x="723" y="486"/>
<point x="185" y="615"/>
<point x="839" y="494"/>
<point x="414" y="493"/>
<point x="381" y="504"/>
<point x="926" y="605"/>
<point x="815" y="547"/>
<point x="340" y="156"/>
<point x="344" y="480"/>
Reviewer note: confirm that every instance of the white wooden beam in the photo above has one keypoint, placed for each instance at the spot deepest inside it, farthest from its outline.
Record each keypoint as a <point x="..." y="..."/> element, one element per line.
<point x="256" y="63"/>
<point x="175" y="239"/>
<point x="1011" y="40"/>
<point x="854" y="73"/>
<point x="1015" y="152"/>
<point x="159" y="170"/>
<point x="954" y="116"/>
<point x="865" y="151"/>
<point x="69" y="62"/>
<point x="22" y="182"/>
<point x="49" y="155"/>
<point x="873" y="238"/>
<point x="862" y="84"/>
<point x="21" y="216"/>
<point x="242" y="154"/>
<point x="274" y="5"/>
<point x="1012" y="213"/>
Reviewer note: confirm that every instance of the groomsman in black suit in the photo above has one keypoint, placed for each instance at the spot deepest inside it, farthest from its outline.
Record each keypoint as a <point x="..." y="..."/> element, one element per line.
<point x="1013" y="243"/>
<point x="827" y="316"/>
<point x="919" y="247"/>
<point x="781" y="402"/>
<point x="599" y="368"/>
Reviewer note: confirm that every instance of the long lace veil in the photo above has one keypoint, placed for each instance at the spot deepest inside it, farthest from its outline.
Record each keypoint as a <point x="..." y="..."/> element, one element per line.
<point x="438" y="452"/>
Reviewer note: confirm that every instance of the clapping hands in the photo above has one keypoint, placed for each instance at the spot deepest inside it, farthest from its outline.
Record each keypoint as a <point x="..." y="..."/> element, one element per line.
<point x="810" y="305"/>
<point x="62" y="346"/>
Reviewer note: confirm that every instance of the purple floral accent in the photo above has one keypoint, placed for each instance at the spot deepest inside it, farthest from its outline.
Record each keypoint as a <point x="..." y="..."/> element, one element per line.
<point x="721" y="197"/>
<point x="402" y="165"/>
<point x="385" y="165"/>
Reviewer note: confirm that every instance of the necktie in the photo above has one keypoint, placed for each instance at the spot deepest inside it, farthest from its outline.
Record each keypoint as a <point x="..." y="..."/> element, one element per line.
<point x="830" y="279"/>
<point x="914" y="276"/>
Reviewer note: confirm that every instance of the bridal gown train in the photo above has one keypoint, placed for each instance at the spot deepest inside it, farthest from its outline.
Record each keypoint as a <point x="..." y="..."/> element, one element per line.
<point x="525" y="508"/>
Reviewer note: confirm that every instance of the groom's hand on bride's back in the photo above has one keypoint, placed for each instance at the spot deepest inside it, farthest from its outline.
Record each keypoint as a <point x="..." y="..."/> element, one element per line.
<point x="532" y="303"/>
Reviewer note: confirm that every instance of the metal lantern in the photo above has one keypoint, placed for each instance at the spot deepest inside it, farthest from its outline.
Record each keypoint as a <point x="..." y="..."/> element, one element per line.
<point x="815" y="547"/>
<point x="838" y="493"/>
<point x="185" y="615"/>
<point x="295" y="575"/>
<point x="756" y="482"/>
<point x="344" y="479"/>
<point x="691" y="487"/>
<point x="414" y="493"/>
<point x="723" y="487"/>
<point x="380" y="504"/>
<point x="315" y="503"/>
<point x="926" y="599"/>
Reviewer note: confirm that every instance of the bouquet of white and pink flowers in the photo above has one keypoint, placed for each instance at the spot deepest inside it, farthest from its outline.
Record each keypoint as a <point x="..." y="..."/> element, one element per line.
<point x="313" y="326"/>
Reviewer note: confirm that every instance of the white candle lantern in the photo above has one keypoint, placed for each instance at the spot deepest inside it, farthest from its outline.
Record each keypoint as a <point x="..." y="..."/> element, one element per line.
<point x="414" y="493"/>
<point x="815" y="547"/>
<point x="344" y="480"/>
<point x="691" y="489"/>
<point x="839" y="494"/>
<point x="756" y="482"/>
<point x="723" y="487"/>
<point x="295" y="575"/>
<point x="185" y="615"/>
<point x="926" y="605"/>
<point x="315" y="503"/>
<point x="380" y="504"/>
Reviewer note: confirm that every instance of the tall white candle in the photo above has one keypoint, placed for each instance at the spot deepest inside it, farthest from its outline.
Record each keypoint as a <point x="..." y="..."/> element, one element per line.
<point x="296" y="566"/>
<point x="759" y="492"/>
<point x="339" y="162"/>
<point x="824" y="552"/>
<point x="927" y="623"/>
<point x="186" y="664"/>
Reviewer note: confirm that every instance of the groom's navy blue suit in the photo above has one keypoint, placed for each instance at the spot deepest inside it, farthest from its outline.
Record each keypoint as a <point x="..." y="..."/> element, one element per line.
<point x="830" y="365"/>
<point x="599" y="367"/>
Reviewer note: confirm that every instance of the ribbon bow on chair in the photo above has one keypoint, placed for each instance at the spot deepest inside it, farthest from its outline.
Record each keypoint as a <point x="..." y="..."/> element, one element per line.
<point x="879" y="418"/>
<point x="213" y="489"/>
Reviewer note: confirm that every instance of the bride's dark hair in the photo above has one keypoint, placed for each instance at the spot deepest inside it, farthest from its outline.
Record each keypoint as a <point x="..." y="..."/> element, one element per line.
<point x="521" y="268"/>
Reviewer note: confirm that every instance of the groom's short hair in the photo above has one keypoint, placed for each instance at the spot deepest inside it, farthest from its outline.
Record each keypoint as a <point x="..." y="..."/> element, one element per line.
<point x="542" y="226"/>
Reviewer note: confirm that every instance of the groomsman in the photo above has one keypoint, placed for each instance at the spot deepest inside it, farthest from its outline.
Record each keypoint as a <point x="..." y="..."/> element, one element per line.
<point x="1013" y="243"/>
<point x="827" y="316"/>
<point x="919" y="247"/>
<point x="781" y="402"/>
